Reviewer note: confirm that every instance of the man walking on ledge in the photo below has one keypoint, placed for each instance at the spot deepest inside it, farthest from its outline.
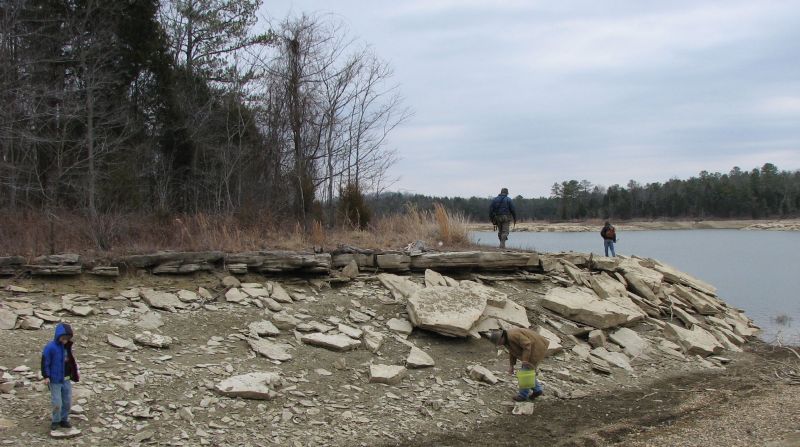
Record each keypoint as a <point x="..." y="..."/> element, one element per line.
<point x="501" y="213"/>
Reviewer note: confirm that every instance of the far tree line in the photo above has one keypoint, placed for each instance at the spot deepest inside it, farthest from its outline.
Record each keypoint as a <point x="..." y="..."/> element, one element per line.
<point x="764" y="192"/>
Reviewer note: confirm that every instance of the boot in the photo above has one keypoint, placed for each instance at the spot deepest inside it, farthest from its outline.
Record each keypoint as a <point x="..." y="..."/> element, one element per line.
<point x="502" y="244"/>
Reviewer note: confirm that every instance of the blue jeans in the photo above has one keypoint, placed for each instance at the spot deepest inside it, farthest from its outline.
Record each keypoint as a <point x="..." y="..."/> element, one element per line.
<point x="537" y="388"/>
<point x="608" y="243"/>
<point x="61" y="398"/>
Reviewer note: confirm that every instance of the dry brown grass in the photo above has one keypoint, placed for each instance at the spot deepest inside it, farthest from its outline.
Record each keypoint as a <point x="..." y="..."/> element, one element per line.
<point x="32" y="234"/>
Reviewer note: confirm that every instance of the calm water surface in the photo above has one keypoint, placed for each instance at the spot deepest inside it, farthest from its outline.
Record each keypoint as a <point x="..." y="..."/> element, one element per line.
<point x="758" y="271"/>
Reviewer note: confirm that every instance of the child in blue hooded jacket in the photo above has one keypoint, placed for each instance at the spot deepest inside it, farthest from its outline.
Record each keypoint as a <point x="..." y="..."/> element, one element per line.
<point x="59" y="368"/>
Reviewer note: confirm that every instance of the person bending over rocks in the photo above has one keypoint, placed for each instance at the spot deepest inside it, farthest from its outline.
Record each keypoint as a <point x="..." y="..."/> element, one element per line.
<point x="528" y="347"/>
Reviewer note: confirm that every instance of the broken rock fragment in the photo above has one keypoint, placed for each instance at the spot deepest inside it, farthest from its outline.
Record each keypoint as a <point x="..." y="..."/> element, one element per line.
<point x="263" y="328"/>
<point x="401" y="326"/>
<point x="418" y="358"/>
<point x="388" y="374"/>
<point x="335" y="342"/>
<point x="255" y="385"/>
<point x="270" y="349"/>
<point x="152" y="340"/>
<point x="477" y="372"/>
<point x="120" y="342"/>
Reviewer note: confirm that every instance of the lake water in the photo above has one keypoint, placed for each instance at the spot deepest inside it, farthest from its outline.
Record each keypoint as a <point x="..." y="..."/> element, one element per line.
<point x="758" y="271"/>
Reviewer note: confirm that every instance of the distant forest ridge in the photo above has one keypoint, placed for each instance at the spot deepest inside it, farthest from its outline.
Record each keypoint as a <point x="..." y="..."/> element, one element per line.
<point x="764" y="192"/>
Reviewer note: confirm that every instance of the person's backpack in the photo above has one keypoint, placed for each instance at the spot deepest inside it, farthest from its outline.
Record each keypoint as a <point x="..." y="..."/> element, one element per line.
<point x="611" y="233"/>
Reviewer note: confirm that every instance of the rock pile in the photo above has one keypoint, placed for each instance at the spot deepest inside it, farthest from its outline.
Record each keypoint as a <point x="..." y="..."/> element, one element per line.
<point x="344" y="363"/>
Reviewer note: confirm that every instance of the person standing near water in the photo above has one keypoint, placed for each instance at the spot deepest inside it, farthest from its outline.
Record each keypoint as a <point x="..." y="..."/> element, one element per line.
<point x="501" y="213"/>
<point x="609" y="234"/>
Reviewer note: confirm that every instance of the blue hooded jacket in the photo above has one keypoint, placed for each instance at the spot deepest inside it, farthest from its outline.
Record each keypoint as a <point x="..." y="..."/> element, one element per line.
<point x="57" y="359"/>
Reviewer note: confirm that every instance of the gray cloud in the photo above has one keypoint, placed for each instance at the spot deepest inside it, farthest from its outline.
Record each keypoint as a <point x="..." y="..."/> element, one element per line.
<point x="524" y="93"/>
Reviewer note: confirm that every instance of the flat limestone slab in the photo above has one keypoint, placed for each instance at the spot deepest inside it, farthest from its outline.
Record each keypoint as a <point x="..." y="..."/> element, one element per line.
<point x="673" y="275"/>
<point x="335" y="342"/>
<point x="162" y="300"/>
<point x="388" y="374"/>
<point x="418" y="358"/>
<point x="451" y="311"/>
<point x="633" y="344"/>
<point x="65" y="434"/>
<point x="694" y="341"/>
<point x="255" y="385"/>
<point x="400" y="286"/>
<point x="583" y="305"/>
<point x="270" y="349"/>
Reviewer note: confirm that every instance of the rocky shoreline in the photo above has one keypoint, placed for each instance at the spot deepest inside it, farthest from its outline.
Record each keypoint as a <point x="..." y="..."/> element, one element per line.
<point x="354" y="356"/>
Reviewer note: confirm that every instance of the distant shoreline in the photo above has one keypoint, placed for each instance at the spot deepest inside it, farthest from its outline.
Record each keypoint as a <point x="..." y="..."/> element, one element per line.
<point x="636" y="225"/>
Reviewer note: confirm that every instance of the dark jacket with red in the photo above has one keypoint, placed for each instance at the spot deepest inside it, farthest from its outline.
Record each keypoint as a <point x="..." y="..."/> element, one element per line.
<point x="605" y="233"/>
<point x="58" y="362"/>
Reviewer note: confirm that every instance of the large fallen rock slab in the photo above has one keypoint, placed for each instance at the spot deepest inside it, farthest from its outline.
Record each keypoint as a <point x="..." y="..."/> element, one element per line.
<point x="270" y="349"/>
<point x="418" y="358"/>
<point x="451" y="311"/>
<point x="511" y="312"/>
<point x="350" y="270"/>
<point x="29" y="322"/>
<point x="401" y="326"/>
<point x="388" y="374"/>
<point x="256" y="385"/>
<point x="400" y="287"/>
<point x="235" y="295"/>
<point x="553" y="340"/>
<point x="617" y="359"/>
<point x="633" y="344"/>
<point x="433" y="278"/>
<point x="605" y="286"/>
<point x="694" y="341"/>
<point x="673" y="275"/>
<point x="150" y="321"/>
<point x="280" y="294"/>
<point x="373" y="340"/>
<point x="334" y="342"/>
<point x="162" y="300"/>
<point x="702" y="303"/>
<point x="8" y="319"/>
<point x="582" y="305"/>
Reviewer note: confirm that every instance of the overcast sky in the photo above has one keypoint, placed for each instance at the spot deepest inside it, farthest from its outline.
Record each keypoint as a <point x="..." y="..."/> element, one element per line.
<point x="523" y="94"/>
